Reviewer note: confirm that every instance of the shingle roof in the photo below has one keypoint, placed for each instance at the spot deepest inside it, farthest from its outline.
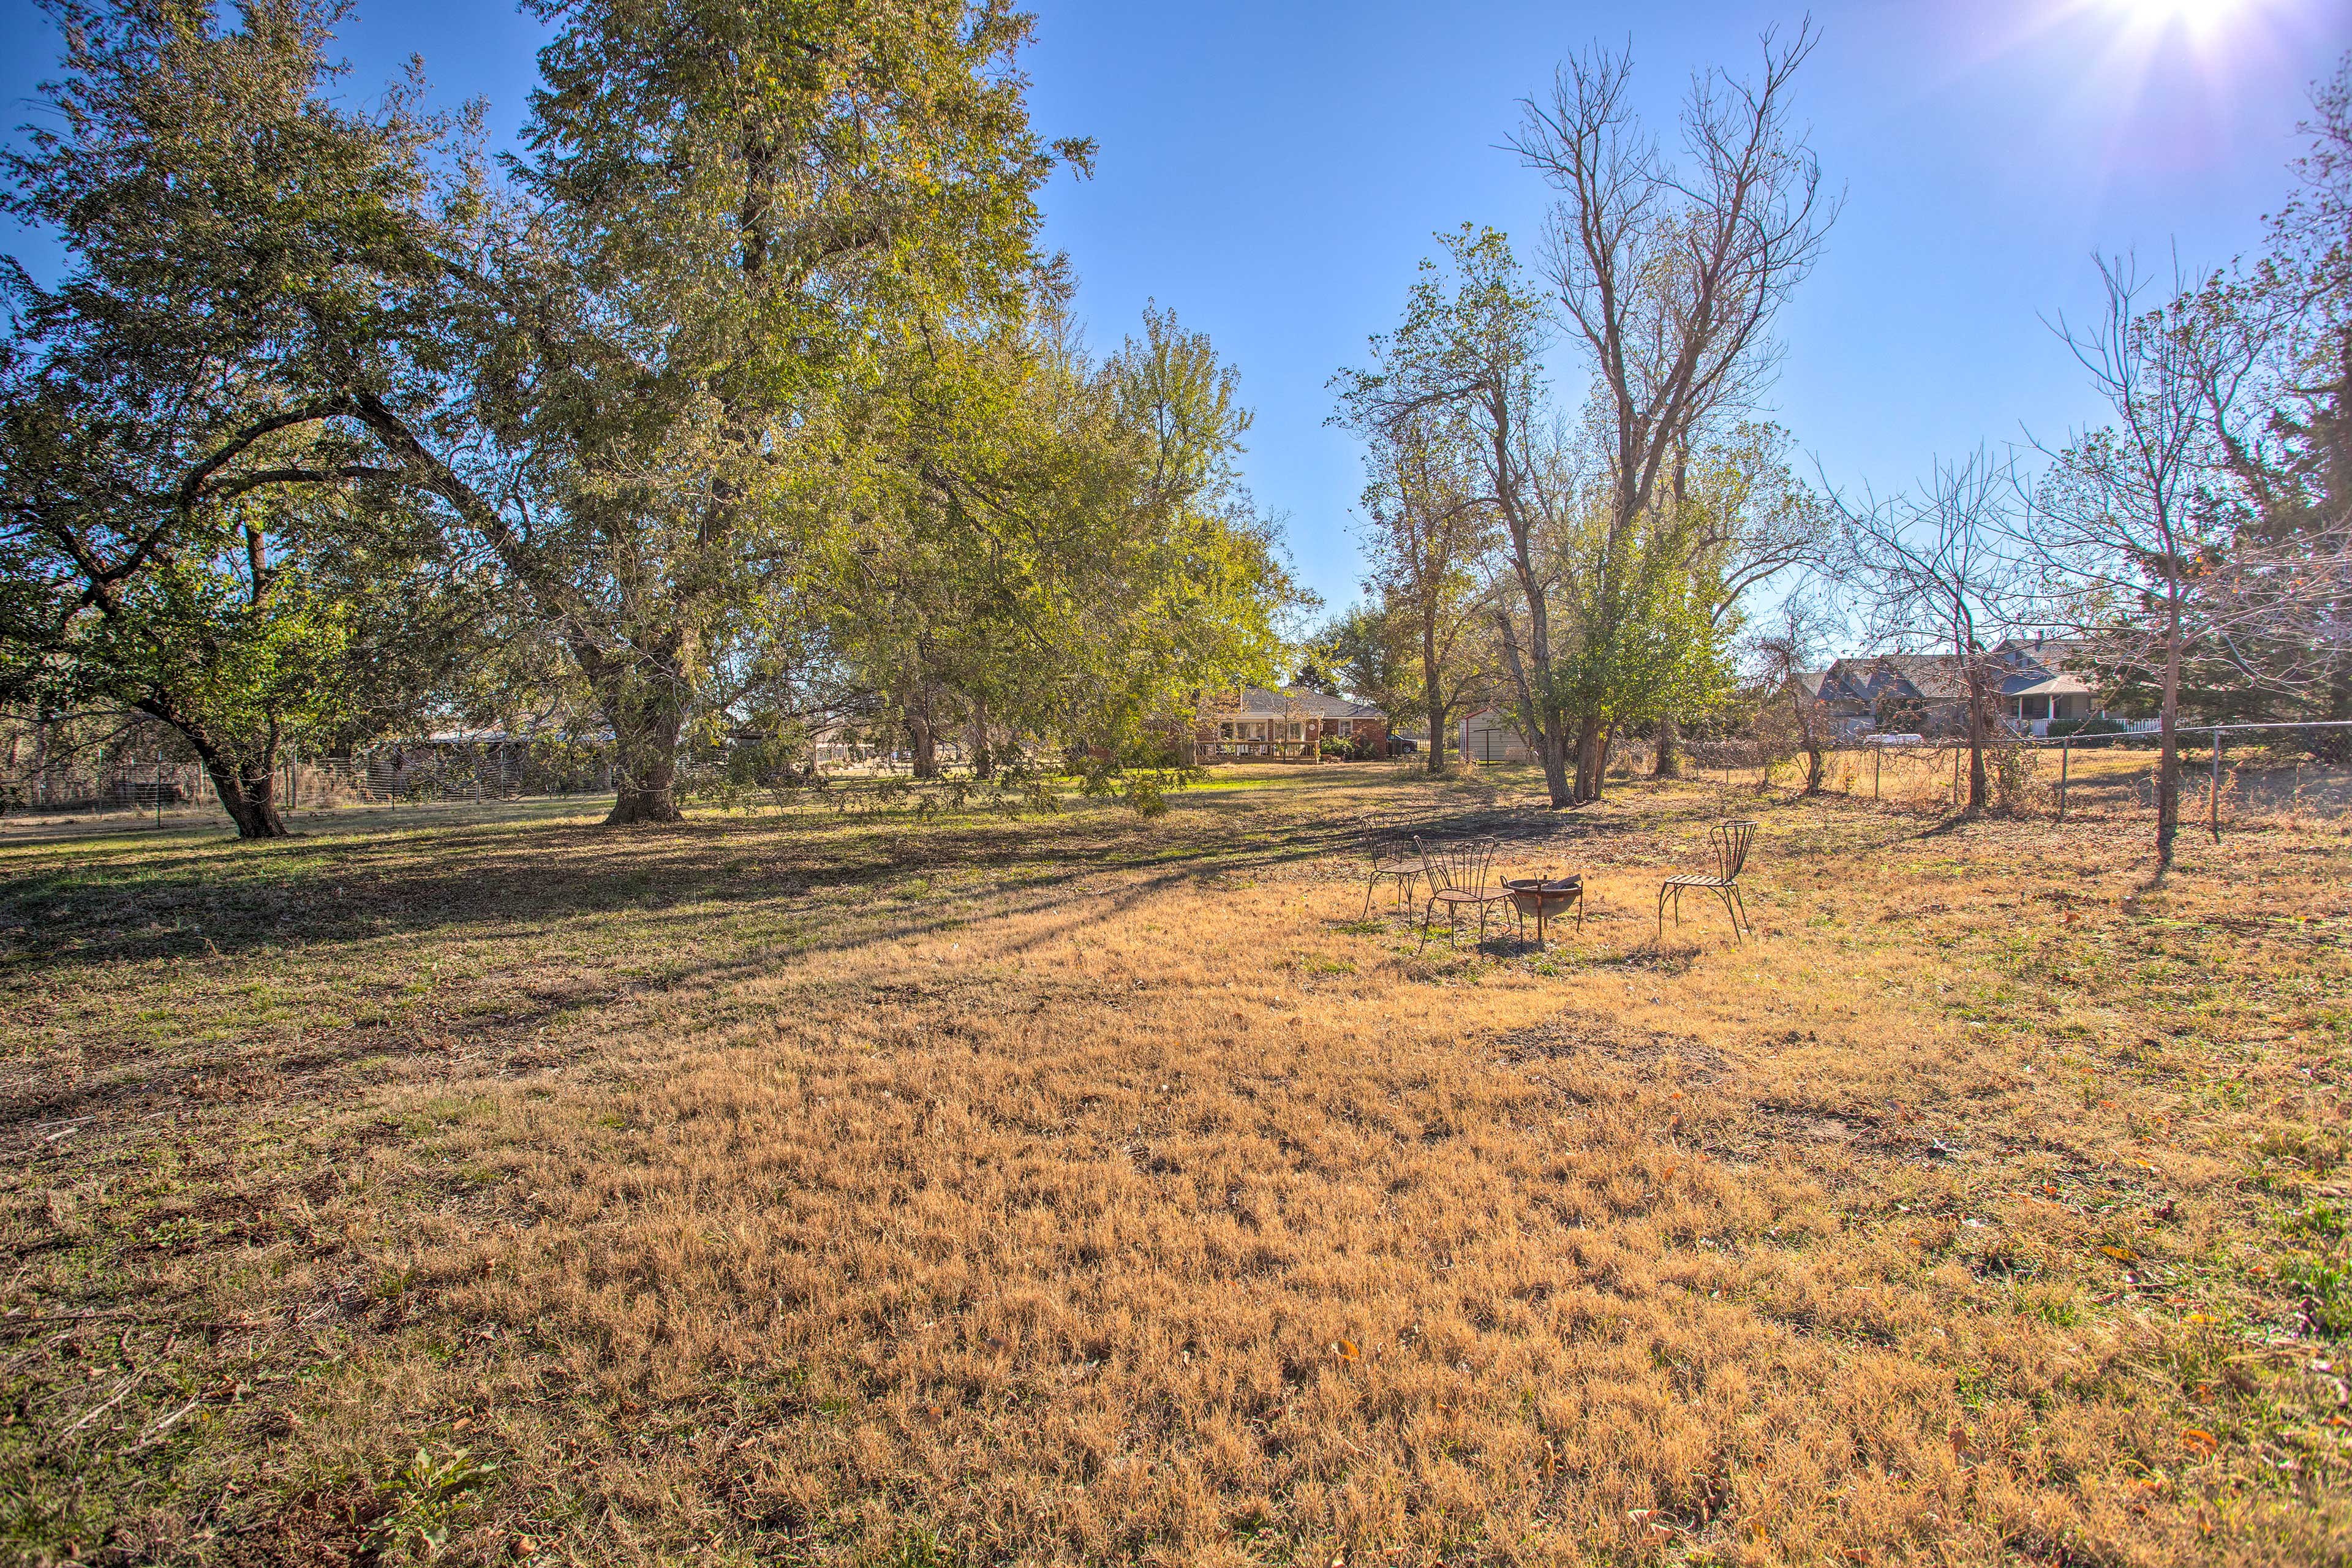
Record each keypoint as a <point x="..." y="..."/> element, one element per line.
<point x="1299" y="701"/>
<point x="2041" y="683"/>
<point x="1933" y="676"/>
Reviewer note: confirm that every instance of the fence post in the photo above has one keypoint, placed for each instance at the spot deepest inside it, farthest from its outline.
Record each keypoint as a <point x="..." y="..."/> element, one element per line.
<point x="2213" y="795"/>
<point x="1878" y="756"/>
<point x="159" y="788"/>
<point x="2065" y="756"/>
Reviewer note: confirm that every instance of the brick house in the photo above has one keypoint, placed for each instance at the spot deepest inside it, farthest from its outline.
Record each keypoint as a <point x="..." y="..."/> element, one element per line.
<point x="1290" y="723"/>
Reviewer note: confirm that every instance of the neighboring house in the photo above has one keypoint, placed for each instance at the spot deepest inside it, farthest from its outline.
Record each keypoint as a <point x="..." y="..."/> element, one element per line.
<point x="1492" y="735"/>
<point x="2048" y="682"/>
<point x="1840" y="694"/>
<point x="1928" y="692"/>
<point x="1292" y="721"/>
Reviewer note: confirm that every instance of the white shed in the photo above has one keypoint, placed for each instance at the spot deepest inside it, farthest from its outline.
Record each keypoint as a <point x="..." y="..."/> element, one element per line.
<point x="1492" y="735"/>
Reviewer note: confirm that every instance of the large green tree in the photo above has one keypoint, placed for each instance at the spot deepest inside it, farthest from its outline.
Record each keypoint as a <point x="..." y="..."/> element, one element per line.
<point x="733" y="218"/>
<point x="189" y="524"/>
<point x="1059" y="549"/>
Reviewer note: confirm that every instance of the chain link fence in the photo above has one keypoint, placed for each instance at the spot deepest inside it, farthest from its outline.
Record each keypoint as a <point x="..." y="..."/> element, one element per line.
<point x="113" y="778"/>
<point x="2242" y="774"/>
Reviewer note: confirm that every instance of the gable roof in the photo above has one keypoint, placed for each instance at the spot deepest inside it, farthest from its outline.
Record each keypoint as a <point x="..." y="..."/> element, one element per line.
<point x="2058" y="656"/>
<point x="1934" y="676"/>
<point x="1290" y="702"/>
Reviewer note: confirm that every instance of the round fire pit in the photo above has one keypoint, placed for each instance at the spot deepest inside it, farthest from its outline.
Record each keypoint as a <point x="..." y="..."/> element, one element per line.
<point x="1544" y="897"/>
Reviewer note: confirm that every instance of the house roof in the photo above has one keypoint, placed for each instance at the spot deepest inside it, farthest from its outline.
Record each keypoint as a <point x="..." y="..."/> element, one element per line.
<point x="1294" y="701"/>
<point x="2041" y="683"/>
<point x="1934" y="676"/>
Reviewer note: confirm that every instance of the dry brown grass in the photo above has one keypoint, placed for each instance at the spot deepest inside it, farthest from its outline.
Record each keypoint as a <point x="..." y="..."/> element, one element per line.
<point x="813" y="1189"/>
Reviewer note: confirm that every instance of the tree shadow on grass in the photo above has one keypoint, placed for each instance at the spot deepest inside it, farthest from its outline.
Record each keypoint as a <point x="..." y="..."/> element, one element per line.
<point x="144" y="901"/>
<point x="832" y="884"/>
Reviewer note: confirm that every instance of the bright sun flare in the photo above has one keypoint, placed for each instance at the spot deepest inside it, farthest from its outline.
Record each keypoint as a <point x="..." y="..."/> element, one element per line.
<point x="2199" y="17"/>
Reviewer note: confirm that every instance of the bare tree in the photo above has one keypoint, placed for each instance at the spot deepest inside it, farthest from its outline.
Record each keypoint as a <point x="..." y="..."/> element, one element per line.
<point x="2148" y="532"/>
<point x="1670" y="278"/>
<point x="1792" y="718"/>
<point x="1930" y="569"/>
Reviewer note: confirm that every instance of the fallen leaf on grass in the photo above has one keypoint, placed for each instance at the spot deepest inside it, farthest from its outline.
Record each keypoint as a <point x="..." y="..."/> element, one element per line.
<point x="2198" y="1440"/>
<point x="2121" y="1254"/>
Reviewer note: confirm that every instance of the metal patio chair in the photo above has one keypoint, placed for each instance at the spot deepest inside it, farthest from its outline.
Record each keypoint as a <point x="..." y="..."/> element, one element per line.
<point x="1730" y="841"/>
<point x="1394" y="856"/>
<point x="1457" y="870"/>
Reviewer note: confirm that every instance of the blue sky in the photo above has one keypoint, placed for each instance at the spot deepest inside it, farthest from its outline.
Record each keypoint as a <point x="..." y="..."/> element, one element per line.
<point x="1273" y="173"/>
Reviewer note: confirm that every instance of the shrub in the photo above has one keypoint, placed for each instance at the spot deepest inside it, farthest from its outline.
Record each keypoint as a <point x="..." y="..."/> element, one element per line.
<point x="2012" y="764"/>
<point x="2060" y="727"/>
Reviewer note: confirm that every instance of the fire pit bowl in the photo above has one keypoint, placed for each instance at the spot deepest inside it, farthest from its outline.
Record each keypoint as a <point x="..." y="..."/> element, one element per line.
<point x="1544" y="897"/>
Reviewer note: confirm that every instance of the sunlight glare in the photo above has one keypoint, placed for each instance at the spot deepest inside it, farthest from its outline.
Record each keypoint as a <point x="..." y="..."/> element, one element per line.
<point x="2198" y="18"/>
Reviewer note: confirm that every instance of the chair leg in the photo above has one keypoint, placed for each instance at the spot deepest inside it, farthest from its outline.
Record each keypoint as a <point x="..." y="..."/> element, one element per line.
<point x="1662" y="911"/>
<point x="1741" y="900"/>
<point x="1728" y="913"/>
<point x="1370" y="882"/>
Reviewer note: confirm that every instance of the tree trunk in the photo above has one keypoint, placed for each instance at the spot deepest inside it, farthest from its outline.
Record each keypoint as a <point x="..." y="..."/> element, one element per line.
<point x="1546" y="730"/>
<point x="925" y="746"/>
<point x="2168" y="747"/>
<point x="247" y="786"/>
<point x="1588" y="761"/>
<point x="1433" y="690"/>
<point x="1972" y="689"/>
<point x="983" y="762"/>
<point x="644" y="757"/>
<point x="1669" y="764"/>
<point x="1551" y="751"/>
<point x="247" y="793"/>
<point x="1815" y="765"/>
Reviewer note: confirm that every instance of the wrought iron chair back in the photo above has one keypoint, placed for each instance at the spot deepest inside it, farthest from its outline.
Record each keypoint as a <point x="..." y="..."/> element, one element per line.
<point x="1457" y="865"/>
<point x="1389" y="851"/>
<point x="1390" y="855"/>
<point x="1731" y="840"/>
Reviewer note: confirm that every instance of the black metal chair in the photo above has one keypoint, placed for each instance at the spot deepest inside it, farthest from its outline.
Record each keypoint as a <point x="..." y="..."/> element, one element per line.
<point x="1457" y="870"/>
<point x="1731" y="841"/>
<point x="1391" y="855"/>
